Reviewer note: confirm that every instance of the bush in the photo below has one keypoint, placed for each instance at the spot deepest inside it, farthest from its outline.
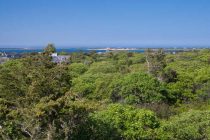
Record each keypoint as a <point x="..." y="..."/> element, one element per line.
<point x="137" y="88"/>
<point x="102" y="67"/>
<point x="76" y="69"/>
<point x="123" y="122"/>
<point x="192" y="125"/>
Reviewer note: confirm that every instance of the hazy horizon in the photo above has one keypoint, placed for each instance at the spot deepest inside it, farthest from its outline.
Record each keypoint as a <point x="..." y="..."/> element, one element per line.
<point x="100" y="46"/>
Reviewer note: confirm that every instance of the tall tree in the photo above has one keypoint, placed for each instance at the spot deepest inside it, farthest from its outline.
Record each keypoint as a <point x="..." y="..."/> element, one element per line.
<point x="155" y="61"/>
<point x="50" y="48"/>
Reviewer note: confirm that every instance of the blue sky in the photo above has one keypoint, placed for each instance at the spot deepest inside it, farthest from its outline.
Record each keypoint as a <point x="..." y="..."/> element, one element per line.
<point x="104" y="22"/>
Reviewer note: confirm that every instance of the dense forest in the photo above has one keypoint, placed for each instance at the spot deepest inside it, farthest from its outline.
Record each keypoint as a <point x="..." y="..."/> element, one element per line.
<point x="113" y="95"/>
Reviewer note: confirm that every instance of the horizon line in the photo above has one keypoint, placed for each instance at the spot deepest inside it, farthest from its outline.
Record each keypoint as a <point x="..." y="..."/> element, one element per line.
<point x="106" y="45"/>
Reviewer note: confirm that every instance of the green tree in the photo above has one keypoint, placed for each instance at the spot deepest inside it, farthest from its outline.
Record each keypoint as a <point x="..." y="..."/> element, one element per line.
<point x="123" y="122"/>
<point x="102" y="67"/>
<point x="50" y="49"/>
<point x="137" y="88"/>
<point x="77" y="69"/>
<point x="93" y="86"/>
<point x="191" y="125"/>
<point x="155" y="61"/>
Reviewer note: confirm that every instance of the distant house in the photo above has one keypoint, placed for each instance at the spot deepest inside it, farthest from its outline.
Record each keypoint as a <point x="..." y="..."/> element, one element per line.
<point x="54" y="54"/>
<point x="3" y="54"/>
<point x="10" y="55"/>
<point x="59" y="58"/>
<point x="3" y="59"/>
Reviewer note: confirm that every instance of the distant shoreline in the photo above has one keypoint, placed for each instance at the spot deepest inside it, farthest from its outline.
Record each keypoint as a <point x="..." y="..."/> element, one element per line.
<point x="15" y="47"/>
<point x="18" y="48"/>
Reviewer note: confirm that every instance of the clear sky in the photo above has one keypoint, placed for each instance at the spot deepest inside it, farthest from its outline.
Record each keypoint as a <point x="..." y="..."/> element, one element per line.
<point x="104" y="22"/>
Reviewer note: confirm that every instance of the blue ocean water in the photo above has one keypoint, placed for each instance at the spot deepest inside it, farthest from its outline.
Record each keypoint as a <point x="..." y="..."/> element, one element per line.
<point x="68" y="50"/>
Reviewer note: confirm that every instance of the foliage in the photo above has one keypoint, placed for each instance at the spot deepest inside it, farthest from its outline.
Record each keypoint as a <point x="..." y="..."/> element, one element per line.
<point x="188" y="125"/>
<point x="106" y="96"/>
<point x="124" y="122"/>
<point x="155" y="61"/>
<point x="50" y="49"/>
<point x="137" y="88"/>
<point x="77" y="69"/>
<point x="102" y="67"/>
<point x="93" y="86"/>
